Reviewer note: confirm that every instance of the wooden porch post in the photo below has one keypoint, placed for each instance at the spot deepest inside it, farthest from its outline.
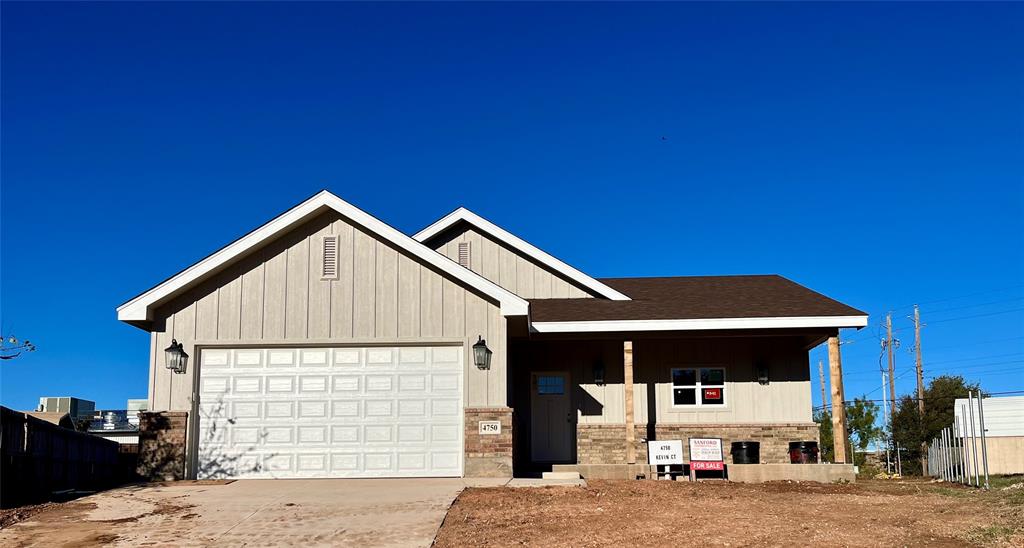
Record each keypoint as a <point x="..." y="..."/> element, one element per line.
<point x="835" y="369"/>
<point x="627" y="361"/>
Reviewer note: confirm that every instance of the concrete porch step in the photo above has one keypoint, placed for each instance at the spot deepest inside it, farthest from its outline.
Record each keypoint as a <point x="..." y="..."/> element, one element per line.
<point x="561" y="475"/>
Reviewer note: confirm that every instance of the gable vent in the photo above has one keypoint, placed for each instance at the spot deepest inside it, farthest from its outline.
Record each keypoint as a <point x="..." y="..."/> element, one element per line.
<point x="464" y="254"/>
<point x="329" y="268"/>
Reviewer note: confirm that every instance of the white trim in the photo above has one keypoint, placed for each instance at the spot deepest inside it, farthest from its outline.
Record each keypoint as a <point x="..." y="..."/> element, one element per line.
<point x="506" y="237"/>
<point x="700" y="324"/>
<point x="141" y="308"/>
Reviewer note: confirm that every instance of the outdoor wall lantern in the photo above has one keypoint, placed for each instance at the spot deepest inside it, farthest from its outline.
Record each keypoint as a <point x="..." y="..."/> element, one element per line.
<point x="762" y="373"/>
<point x="177" y="359"/>
<point x="482" y="354"/>
<point x="599" y="372"/>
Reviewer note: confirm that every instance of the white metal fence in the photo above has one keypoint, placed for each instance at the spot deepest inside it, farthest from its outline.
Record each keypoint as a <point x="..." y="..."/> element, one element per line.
<point x="954" y="454"/>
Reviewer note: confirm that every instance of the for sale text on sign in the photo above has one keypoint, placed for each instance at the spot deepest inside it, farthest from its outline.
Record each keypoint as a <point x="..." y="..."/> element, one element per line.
<point x="702" y="465"/>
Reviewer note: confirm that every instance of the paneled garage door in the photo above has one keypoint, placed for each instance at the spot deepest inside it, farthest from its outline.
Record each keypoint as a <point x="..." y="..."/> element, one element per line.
<point x="330" y="412"/>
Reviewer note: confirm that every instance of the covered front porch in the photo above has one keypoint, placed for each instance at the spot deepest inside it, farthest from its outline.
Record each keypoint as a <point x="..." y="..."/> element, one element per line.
<point x="594" y="400"/>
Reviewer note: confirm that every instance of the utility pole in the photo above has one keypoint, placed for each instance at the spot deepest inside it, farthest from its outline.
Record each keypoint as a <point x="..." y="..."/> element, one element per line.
<point x="920" y="381"/>
<point x="892" y="367"/>
<point x="821" y="378"/>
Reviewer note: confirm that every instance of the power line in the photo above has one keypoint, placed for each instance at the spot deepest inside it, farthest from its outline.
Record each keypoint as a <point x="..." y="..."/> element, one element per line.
<point x="975" y="343"/>
<point x="947" y="299"/>
<point x="976" y="316"/>
<point x="975" y="305"/>
<point x="985" y="394"/>
<point x="976" y="358"/>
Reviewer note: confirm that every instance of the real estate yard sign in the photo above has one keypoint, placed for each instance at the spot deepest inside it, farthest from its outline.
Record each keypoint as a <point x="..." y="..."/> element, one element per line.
<point x="664" y="452"/>
<point x="706" y="454"/>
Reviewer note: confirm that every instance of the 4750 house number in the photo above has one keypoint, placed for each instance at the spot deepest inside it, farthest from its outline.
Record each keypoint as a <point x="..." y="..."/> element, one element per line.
<point x="490" y="428"/>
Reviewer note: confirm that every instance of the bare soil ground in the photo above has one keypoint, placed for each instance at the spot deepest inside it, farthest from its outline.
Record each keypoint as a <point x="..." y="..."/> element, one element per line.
<point x="664" y="513"/>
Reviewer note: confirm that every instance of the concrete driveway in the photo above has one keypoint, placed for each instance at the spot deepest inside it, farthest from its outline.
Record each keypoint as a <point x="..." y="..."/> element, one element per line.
<point x="370" y="512"/>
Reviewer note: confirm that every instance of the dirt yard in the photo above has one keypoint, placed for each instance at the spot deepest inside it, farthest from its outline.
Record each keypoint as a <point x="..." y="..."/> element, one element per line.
<point x="663" y="513"/>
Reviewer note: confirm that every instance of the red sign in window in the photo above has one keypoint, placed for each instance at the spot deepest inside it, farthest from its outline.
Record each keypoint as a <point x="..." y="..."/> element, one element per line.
<point x="712" y="393"/>
<point x="706" y="465"/>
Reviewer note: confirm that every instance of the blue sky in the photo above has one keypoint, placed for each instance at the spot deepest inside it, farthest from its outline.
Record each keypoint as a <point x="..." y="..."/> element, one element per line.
<point x="874" y="152"/>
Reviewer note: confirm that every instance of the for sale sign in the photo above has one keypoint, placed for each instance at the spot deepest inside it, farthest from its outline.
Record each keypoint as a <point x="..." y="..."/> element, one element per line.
<point x="702" y="465"/>
<point x="665" y="452"/>
<point x="706" y="450"/>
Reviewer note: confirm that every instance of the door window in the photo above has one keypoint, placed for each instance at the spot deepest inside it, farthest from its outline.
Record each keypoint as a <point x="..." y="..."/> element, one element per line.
<point x="550" y="385"/>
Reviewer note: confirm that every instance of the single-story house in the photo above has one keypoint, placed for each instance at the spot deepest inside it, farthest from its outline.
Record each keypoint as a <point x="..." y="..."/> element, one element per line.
<point x="326" y="343"/>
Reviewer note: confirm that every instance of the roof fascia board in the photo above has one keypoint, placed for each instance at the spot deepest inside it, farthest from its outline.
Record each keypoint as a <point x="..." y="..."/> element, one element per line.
<point x="535" y="253"/>
<point x="703" y="324"/>
<point x="140" y="308"/>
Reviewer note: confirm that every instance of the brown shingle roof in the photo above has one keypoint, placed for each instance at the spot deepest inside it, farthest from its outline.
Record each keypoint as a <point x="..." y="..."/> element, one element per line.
<point x="694" y="297"/>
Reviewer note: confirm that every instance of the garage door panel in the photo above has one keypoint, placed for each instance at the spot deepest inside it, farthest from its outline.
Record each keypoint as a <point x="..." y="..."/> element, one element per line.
<point x="216" y="358"/>
<point x="348" y="357"/>
<point x="279" y="410"/>
<point x="248" y="359"/>
<point x="313" y="358"/>
<point x="281" y="358"/>
<point x="280" y="385"/>
<point x="380" y="357"/>
<point x="347" y="434"/>
<point x="331" y="412"/>
<point x="247" y="384"/>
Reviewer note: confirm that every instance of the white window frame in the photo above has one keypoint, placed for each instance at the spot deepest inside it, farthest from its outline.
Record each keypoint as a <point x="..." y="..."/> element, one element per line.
<point x="698" y="387"/>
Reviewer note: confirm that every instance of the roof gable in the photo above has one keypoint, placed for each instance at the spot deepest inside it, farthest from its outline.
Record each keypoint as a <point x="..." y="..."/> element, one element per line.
<point x="463" y="215"/>
<point x="140" y="308"/>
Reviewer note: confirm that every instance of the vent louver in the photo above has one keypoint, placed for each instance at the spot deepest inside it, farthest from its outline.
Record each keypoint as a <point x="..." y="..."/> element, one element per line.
<point x="464" y="254"/>
<point x="329" y="270"/>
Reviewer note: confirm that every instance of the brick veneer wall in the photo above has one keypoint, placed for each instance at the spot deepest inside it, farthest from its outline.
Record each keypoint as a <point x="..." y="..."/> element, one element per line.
<point x="162" y="445"/>
<point x="606" y="443"/>
<point x="488" y="455"/>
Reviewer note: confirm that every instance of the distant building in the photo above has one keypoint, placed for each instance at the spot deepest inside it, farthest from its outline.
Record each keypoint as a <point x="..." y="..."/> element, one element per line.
<point x="134" y="408"/>
<point x="120" y="425"/>
<point x="78" y="408"/>
<point x="1004" y="432"/>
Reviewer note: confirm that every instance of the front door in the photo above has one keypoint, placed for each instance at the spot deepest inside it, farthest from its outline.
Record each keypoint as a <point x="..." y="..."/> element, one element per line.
<point x="552" y="418"/>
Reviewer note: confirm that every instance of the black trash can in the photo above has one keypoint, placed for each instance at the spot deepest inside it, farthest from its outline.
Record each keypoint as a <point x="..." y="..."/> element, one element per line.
<point x="803" y="452"/>
<point x="746" y="452"/>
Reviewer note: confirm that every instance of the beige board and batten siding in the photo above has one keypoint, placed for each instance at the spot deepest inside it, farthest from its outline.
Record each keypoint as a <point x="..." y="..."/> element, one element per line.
<point x="276" y="296"/>
<point x="785" y="399"/>
<point x="505" y="266"/>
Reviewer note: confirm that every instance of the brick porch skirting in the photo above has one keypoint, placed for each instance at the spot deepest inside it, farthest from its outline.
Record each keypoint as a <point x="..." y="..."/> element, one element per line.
<point x="606" y="443"/>
<point x="488" y="455"/>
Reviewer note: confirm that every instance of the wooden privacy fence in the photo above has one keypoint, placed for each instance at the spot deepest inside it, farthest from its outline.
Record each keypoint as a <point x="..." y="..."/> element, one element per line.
<point x="40" y="459"/>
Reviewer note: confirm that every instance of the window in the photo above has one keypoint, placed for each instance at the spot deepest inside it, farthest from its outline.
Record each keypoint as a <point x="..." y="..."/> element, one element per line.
<point x="698" y="386"/>
<point x="550" y="385"/>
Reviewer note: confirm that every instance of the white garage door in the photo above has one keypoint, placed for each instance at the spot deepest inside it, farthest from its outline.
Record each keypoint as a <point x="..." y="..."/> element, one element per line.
<point x="330" y="412"/>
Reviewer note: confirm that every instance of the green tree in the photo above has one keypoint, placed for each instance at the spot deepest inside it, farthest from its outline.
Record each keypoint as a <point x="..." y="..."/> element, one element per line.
<point x="861" y="416"/>
<point x="910" y="430"/>
<point x="826" y="448"/>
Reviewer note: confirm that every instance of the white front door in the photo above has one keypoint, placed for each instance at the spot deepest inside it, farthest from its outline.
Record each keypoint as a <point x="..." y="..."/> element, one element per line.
<point x="552" y="419"/>
<point x="330" y="412"/>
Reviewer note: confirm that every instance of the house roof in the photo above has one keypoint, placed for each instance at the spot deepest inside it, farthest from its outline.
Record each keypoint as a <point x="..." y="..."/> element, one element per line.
<point x="464" y="215"/>
<point x="140" y="308"/>
<point x="696" y="302"/>
<point x="59" y="418"/>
